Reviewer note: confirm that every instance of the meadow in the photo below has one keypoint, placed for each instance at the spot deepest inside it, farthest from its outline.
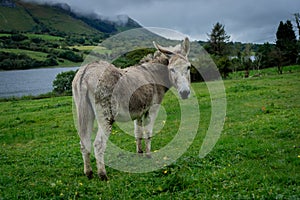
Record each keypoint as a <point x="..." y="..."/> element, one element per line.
<point x="256" y="157"/>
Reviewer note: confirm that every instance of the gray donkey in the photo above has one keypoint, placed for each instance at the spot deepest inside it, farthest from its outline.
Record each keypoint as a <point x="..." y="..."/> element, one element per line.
<point x="106" y="93"/>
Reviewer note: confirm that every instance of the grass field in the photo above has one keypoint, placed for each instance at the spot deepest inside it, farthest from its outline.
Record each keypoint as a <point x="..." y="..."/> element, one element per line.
<point x="256" y="157"/>
<point x="32" y="54"/>
<point x="44" y="37"/>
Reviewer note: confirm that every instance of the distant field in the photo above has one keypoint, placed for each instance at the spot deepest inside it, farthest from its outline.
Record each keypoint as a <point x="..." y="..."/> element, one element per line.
<point x="96" y="49"/>
<point x="33" y="54"/>
<point x="32" y="35"/>
<point x="256" y="157"/>
<point x="41" y="57"/>
<point x="44" y="37"/>
<point x="264" y="72"/>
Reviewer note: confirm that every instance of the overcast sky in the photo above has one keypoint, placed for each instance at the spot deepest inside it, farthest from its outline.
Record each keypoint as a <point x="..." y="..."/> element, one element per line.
<point x="245" y="20"/>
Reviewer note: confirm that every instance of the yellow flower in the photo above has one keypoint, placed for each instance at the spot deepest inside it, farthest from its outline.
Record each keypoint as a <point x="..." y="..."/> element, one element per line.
<point x="166" y="171"/>
<point x="298" y="156"/>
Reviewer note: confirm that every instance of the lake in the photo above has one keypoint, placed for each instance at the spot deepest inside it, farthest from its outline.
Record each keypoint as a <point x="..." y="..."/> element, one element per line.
<point x="19" y="83"/>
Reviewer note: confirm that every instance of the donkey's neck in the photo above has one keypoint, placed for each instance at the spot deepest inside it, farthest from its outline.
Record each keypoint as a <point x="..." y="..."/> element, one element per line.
<point x="159" y="73"/>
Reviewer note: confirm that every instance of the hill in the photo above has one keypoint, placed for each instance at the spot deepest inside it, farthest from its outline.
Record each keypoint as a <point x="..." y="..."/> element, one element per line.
<point x="37" y="35"/>
<point x="57" y="19"/>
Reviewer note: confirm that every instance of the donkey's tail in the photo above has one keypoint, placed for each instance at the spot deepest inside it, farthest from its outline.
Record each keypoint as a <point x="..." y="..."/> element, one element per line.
<point x="82" y="110"/>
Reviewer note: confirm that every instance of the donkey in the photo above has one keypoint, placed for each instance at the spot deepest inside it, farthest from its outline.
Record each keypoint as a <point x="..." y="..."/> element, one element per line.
<point x="108" y="94"/>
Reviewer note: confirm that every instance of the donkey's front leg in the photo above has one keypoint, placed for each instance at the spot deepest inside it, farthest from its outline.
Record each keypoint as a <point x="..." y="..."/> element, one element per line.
<point x="99" y="148"/>
<point x="148" y="123"/>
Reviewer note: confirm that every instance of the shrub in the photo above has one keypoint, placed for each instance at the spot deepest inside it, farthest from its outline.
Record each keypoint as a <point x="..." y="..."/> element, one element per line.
<point x="70" y="55"/>
<point x="18" y="37"/>
<point x="63" y="83"/>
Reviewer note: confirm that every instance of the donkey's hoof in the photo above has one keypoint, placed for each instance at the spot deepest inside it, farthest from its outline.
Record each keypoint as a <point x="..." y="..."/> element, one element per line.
<point x="148" y="155"/>
<point x="103" y="176"/>
<point x="89" y="175"/>
<point x="140" y="152"/>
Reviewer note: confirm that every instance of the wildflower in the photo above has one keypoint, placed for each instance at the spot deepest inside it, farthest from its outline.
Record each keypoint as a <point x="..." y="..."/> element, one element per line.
<point x="298" y="156"/>
<point x="166" y="171"/>
<point x="80" y="184"/>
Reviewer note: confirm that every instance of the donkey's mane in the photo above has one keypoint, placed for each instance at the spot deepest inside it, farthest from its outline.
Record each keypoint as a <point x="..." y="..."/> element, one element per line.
<point x="156" y="57"/>
<point x="159" y="57"/>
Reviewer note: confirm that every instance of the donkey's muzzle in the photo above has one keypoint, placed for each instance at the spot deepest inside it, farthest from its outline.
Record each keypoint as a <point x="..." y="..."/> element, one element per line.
<point x="184" y="94"/>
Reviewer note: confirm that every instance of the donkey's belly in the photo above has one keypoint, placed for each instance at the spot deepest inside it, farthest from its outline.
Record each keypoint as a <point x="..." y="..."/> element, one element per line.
<point x="125" y="116"/>
<point x="131" y="105"/>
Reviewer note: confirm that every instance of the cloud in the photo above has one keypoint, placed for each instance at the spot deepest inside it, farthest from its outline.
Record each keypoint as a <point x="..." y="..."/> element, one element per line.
<point x="246" y="21"/>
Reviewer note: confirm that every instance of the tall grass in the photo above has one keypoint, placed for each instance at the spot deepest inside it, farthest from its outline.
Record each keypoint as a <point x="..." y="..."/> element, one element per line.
<point x="257" y="156"/>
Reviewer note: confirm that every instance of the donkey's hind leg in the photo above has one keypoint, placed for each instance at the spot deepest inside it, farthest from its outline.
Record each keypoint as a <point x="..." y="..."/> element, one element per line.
<point x="104" y="129"/>
<point x="86" y="119"/>
<point x="138" y="132"/>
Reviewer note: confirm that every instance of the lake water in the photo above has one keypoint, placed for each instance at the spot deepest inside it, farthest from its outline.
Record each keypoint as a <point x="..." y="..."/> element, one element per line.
<point x="19" y="83"/>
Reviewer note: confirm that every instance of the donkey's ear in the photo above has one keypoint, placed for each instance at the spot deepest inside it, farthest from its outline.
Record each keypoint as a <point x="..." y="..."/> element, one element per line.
<point x="163" y="50"/>
<point x="185" y="47"/>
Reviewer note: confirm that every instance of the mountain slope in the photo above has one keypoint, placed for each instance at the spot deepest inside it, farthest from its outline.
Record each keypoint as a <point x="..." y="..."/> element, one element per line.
<point x="15" y="19"/>
<point x="56" y="19"/>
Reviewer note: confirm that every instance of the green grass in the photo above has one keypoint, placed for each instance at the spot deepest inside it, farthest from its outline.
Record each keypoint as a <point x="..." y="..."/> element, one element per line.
<point x="32" y="54"/>
<point x="33" y="35"/>
<point x="264" y="72"/>
<point x="44" y="37"/>
<point x="256" y="157"/>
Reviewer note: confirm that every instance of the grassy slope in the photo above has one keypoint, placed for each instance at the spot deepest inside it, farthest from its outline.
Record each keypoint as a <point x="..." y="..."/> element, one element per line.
<point x="257" y="155"/>
<point x="18" y="19"/>
<point x="15" y="19"/>
<point x="33" y="54"/>
<point x="58" y="20"/>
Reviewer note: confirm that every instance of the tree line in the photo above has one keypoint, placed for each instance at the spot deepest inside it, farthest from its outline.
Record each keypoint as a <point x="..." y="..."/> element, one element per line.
<point x="284" y="52"/>
<point x="228" y="56"/>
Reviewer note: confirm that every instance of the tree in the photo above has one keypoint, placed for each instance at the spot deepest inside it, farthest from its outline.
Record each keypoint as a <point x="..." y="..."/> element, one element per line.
<point x="217" y="46"/>
<point x="286" y="43"/>
<point x="63" y="82"/>
<point x="267" y="55"/>
<point x="297" y="18"/>
<point x="217" y="40"/>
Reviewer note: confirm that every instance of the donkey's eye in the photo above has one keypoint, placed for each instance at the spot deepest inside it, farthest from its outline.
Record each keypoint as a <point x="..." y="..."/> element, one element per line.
<point x="189" y="67"/>
<point x="172" y="70"/>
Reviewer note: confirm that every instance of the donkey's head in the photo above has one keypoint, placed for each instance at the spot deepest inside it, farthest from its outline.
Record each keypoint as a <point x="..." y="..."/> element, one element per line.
<point x="179" y="66"/>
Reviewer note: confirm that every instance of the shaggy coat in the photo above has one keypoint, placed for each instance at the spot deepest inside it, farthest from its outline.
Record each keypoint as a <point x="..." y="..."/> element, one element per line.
<point x="106" y="94"/>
